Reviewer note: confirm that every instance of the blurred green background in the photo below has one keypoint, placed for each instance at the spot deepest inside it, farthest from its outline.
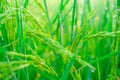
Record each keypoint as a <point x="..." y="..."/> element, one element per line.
<point x="59" y="39"/>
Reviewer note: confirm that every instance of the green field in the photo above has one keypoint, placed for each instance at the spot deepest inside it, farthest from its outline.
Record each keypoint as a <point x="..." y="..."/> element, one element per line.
<point x="59" y="39"/>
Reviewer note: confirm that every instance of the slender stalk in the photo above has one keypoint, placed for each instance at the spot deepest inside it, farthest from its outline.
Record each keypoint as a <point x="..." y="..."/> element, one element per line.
<point x="49" y="22"/>
<point x="17" y="20"/>
<point x="73" y="19"/>
<point x="15" y="78"/>
<point x="60" y="21"/>
<point x="26" y="3"/>
<point x="21" y="27"/>
<point x="115" y="46"/>
<point x="89" y="6"/>
<point x="22" y="32"/>
<point x="2" y="26"/>
<point x="84" y="13"/>
<point x="118" y="4"/>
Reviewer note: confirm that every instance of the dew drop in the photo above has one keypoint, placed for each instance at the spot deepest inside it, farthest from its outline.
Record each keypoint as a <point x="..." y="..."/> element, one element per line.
<point x="43" y="14"/>
<point x="106" y="8"/>
<point x="114" y="16"/>
<point x="92" y="70"/>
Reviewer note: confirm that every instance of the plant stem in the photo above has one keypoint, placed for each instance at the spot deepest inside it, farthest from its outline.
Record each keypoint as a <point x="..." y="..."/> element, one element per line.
<point x="73" y="19"/>
<point x="49" y="22"/>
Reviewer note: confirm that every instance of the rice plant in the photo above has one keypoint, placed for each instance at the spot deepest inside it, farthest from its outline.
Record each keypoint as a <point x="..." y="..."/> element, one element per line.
<point x="59" y="39"/>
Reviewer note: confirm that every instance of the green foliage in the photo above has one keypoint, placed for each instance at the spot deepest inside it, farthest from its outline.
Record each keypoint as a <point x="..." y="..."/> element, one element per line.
<point x="59" y="40"/>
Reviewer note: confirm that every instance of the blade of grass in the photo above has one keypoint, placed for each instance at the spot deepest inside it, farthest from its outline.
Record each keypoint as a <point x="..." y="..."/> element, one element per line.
<point x="26" y="3"/>
<point x="3" y="27"/>
<point x="40" y="6"/>
<point x="13" y="74"/>
<point x="79" y="35"/>
<point x="49" y="22"/>
<point x="115" y="45"/>
<point x="57" y="13"/>
<point x="68" y="68"/>
<point x="103" y="58"/>
<point x="21" y="27"/>
<point x="84" y="13"/>
<point x="73" y="19"/>
<point x="60" y="22"/>
<point x="45" y="73"/>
